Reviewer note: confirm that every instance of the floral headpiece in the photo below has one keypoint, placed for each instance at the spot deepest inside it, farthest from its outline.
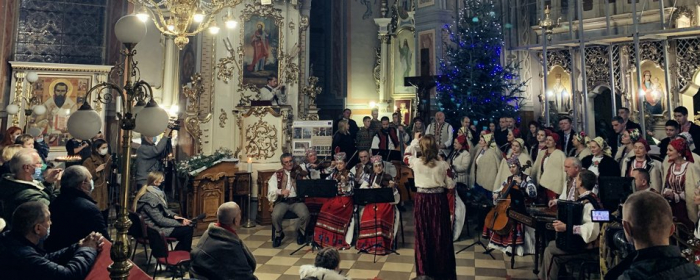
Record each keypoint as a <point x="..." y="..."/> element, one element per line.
<point x="689" y="139"/>
<point x="339" y="156"/>
<point x="514" y="161"/>
<point x="581" y="137"/>
<point x="376" y="160"/>
<point x="310" y="151"/>
<point x="635" y="135"/>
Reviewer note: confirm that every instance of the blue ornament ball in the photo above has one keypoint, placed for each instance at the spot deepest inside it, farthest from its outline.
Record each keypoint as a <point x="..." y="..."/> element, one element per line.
<point x="475" y="19"/>
<point x="492" y="13"/>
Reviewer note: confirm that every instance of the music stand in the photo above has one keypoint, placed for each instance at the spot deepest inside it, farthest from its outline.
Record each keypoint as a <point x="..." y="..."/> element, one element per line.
<point x="371" y="196"/>
<point x="482" y="203"/>
<point x="614" y="190"/>
<point x="315" y="188"/>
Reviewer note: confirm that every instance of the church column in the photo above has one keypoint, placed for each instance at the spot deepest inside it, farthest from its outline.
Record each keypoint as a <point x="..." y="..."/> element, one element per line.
<point x="171" y="74"/>
<point x="589" y="117"/>
<point x="383" y="24"/>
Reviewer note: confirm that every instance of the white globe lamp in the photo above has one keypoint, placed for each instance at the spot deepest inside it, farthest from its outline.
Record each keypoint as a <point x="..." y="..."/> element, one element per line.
<point x="130" y="29"/>
<point x="39" y="110"/>
<point x="32" y="77"/>
<point x="12" y="109"/>
<point x="152" y="120"/>
<point x="138" y="107"/>
<point x="84" y="123"/>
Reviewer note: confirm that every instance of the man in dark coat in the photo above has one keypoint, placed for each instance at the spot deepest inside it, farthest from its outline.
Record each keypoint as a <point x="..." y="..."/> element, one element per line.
<point x="566" y="133"/>
<point x="648" y="223"/>
<point x="624" y="113"/>
<point x="220" y="253"/>
<point x="74" y="213"/>
<point x="21" y="256"/>
<point x="681" y="116"/>
<point x="672" y="131"/>
<point x="19" y="187"/>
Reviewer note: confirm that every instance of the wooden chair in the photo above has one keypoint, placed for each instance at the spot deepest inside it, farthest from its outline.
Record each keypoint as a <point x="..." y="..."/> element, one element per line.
<point x="138" y="231"/>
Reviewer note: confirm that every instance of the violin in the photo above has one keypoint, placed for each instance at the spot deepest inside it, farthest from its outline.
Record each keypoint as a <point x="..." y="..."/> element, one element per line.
<point x="497" y="219"/>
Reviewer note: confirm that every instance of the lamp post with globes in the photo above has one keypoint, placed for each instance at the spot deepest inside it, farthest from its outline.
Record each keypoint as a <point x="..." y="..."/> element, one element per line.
<point x="139" y="113"/>
<point x="32" y="102"/>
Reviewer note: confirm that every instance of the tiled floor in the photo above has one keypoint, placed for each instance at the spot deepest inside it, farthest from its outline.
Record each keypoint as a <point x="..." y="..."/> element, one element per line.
<point x="277" y="263"/>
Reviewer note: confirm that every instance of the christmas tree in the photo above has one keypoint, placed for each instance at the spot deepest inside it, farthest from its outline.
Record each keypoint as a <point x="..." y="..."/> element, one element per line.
<point x="475" y="83"/>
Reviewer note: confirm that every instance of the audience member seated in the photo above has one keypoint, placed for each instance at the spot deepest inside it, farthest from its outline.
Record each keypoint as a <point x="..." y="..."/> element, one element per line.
<point x="151" y="203"/>
<point x="326" y="266"/>
<point x="648" y="224"/>
<point x="522" y="187"/>
<point x="22" y="257"/>
<point x="42" y="147"/>
<point x="20" y="187"/>
<point x="7" y="154"/>
<point x="377" y="232"/>
<point x="282" y="191"/>
<point x="10" y="136"/>
<point x="588" y="231"/>
<point x="335" y="217"/>
<point x="220" y="253"/>
<point x="74" y="213"/>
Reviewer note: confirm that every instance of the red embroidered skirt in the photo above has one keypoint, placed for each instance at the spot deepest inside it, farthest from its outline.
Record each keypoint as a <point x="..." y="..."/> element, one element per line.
<point x="333" y="222"/>
<point x="380" y="231"/>
<point x="434" y="250"/>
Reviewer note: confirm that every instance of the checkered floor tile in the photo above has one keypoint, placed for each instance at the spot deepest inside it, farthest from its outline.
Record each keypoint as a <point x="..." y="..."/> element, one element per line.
<point x="279" y="264"/>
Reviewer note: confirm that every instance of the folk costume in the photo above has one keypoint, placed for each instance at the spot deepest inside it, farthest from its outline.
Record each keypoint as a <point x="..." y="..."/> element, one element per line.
<point x="335" y="218"/>
<point x="548" y="171"/>
<point x="384" y="229"/>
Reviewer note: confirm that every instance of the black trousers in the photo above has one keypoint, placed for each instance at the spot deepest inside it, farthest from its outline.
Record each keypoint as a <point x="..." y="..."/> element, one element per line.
<point x="184" y="238"/>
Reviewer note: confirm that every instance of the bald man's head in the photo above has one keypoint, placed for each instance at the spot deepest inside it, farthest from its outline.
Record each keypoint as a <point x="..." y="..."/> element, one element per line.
<point x="647" y="220"/>
<point x="229" y="214"/>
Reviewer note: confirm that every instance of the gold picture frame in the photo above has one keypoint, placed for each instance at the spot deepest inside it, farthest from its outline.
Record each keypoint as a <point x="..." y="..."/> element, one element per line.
<point x="262" y="41"/>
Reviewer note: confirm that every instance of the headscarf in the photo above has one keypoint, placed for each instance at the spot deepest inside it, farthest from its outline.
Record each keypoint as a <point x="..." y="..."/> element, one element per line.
<point x="310" y="151"/>
<point x="462" y="140"/>
<point x="488" y="138"/>
<point x="522" y="144"/>
<point x="603" y="145"/>
<point x="681" y="146"/>
<point x="689" y="138"/>
<point x="582" y="138"/>
<point x="645" y="143"/>
<point x="635" y="135"/>
<point x="555" y="137"/>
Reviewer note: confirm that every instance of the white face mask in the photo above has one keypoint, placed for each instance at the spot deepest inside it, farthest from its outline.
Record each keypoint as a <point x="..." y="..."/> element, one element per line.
<point x="39" y="140"/>
<point x="104" y="151"/>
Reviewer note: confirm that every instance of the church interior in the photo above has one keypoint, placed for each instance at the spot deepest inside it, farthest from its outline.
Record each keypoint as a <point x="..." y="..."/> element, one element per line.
<point x="243" y="83"/>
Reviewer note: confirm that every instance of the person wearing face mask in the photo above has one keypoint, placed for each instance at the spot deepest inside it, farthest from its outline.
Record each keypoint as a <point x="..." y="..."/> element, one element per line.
<point x="21" y="254"/>
<point x="27" y="141"/>
<point x="41" y="147"/>
<point x="152" y="204"/>
<point x="98" y="164"/>
<point x="74" y="212"/>
<point x="149" y="156"/>
<point x="20" y="186"/>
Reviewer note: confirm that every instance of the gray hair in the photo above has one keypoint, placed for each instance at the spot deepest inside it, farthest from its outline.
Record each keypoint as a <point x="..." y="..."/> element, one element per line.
<point x="27" y="215"/>
<point x="575" y="161"/>
<point x="24" y="156"/>
<point x="227" y="213"/>
<point x="74" y="176"/>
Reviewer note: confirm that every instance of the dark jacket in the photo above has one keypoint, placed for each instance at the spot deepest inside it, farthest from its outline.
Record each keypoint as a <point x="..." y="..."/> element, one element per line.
<point x="663" y="147"/>
<point x="20" y="259"/>
<point x="149" y="158"/>
<point x="43" y="149"/>
<point x="658" y="263"/>
<point x="220" y="254"/>
<point x="632" y="125"/>
<point x="567" y="148"/>
<point x="695" y="133"/>
<point x="74" y="215"/>
<point x="72" y="144"/>
<point x="607" y="166"/>
<point x="353" y="127"/>
<point x="14" y="192"/>
<point x="501" y="138"/>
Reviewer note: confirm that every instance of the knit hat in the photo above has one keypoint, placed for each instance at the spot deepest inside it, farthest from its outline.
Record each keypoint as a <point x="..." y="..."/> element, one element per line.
<point x="681" y="146"/>
<point x="603" y="145"/>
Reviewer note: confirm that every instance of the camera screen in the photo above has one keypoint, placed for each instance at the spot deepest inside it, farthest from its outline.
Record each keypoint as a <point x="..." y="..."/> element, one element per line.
<point x="600" y="215"/>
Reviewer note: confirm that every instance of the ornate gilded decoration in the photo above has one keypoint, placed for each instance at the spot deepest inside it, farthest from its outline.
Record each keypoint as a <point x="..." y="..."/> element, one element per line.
<point x="304" y="23"/>
<point x="683" y="11"/>
<point x="222" y="118"/>
<point x="597" y="66"/>
<point x="19" y="76"/>
<point x="292" y="70"/>
<point x="261" y="111"/>
<point x="195" y="116"/>
<point x="311" y="91"/>
<point x="226" y="64"/>
<point x="687" y="61"/>
<point x="267" y="11"/>
<point x="558" y="57"/>
<point x="291" y="27"/>
<point x="377" y="71"/>
<point x="652" y="51"/>
<point x="262" y="140"/>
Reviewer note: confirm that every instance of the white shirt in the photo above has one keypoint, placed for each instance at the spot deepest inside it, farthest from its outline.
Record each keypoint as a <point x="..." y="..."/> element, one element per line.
<point x="273" y="192"/>
<point x="594" y="167"/>
<point x="425" y="176"/>
<point x="268" y="93"/>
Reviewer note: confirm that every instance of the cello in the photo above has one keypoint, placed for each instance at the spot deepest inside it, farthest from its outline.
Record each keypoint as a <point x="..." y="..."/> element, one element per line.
<point x="497" y="219"/>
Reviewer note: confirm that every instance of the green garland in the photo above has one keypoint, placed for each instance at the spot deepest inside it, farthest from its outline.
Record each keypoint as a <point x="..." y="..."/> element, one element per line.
<point x="198" y="163"/>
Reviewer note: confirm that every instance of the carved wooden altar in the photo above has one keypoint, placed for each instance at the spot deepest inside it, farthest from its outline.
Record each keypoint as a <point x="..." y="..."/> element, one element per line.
<point x="206" y="191"/>
<point x="264" y="207"/>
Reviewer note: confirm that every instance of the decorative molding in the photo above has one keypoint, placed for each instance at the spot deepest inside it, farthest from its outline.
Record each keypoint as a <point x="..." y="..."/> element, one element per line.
<point x="261" y="111"/>
<point x="597" y="66"/>
<point x="222" y="118"/>
<point x="291" y="27"/>
<point x="687" y="61"/>
<point x="304" y="25"/>
<point x="377" y="71"/>
<point x="683" y="11"/>
<point x="262" y="140"/>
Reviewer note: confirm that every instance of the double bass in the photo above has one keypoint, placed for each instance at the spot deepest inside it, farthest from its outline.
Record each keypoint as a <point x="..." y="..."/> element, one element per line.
<point x="497" y="219"/>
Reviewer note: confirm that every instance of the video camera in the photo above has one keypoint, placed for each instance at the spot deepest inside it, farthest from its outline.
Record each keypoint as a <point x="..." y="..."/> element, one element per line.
<point x="174" y="125"/>
<point x="613" y="191"/>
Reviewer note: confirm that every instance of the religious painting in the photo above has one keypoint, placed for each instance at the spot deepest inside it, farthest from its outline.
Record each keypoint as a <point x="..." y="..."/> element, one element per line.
<point x="261" y="46"/>
<point x="62" y="96"/>
<point x="425" y="3"/>
<point x="403" y="107"/>
<point x="404" y="55"/>
<point x="653" y="88"/>
<point x="559" y="90"/>
<point x="188" y="61"/>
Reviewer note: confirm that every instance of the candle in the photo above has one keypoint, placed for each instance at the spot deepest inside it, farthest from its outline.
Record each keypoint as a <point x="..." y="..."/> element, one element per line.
<point x="250" y="165"/>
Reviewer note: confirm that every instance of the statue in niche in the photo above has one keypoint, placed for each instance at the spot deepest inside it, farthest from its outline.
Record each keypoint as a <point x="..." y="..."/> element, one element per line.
<point x="406" y="57"/>
<point x="562" y="97"/>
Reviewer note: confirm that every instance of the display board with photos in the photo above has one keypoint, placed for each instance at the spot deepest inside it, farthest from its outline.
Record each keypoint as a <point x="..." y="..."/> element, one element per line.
<point x="316" y="134"/>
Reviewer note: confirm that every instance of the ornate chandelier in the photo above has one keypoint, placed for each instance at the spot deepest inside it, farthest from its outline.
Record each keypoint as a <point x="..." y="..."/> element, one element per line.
<point x="185" y="18"/>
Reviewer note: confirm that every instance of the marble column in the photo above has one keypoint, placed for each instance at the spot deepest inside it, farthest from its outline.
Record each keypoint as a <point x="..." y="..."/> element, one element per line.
<point x="171" y="74"/>
<point x="383" y="24"/>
